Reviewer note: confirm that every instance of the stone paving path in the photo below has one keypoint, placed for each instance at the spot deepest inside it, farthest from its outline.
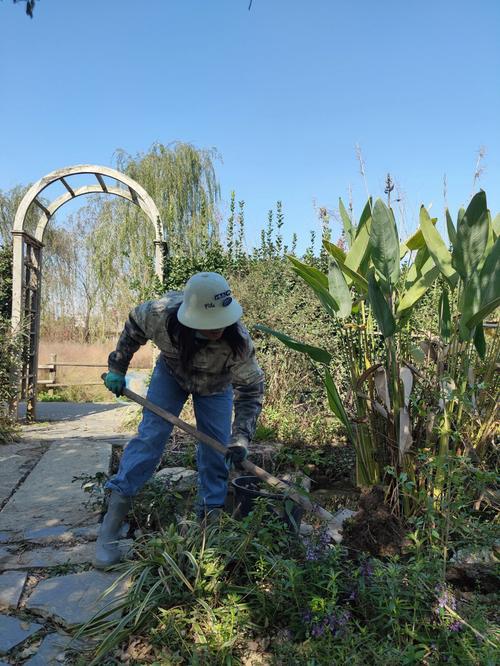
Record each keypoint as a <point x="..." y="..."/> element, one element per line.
<point x="47" y="533"/>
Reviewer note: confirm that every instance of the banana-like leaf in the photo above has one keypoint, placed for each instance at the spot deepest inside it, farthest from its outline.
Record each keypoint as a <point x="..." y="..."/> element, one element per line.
<point x="406" y="377"/>
<point x="444" y="316"/>
<point x="315" y="353"/>
<point x="337" y="406"/>
<point x="380" y="307"/>
<point x="318" y="282"/>
<point x="416" y="241"/>
<point x="418" y="289"/>
<point x="382" y="387"/>
<point x="488" y="288"/>
<point x="360" y="249"/>
<point x="336" y="251"/>
<point x="338" y="289"/>
<point x="496" y="225"/>
<point x="479" y="341"/>
<point x="366" y="216"/>
<point x="405" y="437"/>
<point x="349" y="230"/>
<point x="384" y="243"/>
<point x="422" y="263"/>
<point x="437" y="249"/>
<point x="489" y="243"/>
<point x="314" y="273"/>
<point x="351" y="277"/>
<point x="365" y="263"/>
<point x="472" y="236"/>
<point x="452" y="232"/>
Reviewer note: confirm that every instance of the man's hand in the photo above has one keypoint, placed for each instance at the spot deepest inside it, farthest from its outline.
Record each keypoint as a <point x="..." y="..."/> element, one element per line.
<point x="237" y="452"/>
<point x="115" y="382"/>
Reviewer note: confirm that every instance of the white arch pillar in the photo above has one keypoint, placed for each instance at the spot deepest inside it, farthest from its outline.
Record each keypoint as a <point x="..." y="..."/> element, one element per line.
<point x="27" y="254"/>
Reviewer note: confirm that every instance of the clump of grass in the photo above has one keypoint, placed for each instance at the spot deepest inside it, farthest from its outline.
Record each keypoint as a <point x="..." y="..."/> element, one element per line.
<point x="79" y="393"/>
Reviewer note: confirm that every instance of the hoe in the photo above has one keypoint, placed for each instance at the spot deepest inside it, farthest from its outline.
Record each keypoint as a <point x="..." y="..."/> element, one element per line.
<point x="334" y="525"/>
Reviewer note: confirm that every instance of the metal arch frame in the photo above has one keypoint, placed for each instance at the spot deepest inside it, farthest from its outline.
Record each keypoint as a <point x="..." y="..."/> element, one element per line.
<point x="27" y="255"/>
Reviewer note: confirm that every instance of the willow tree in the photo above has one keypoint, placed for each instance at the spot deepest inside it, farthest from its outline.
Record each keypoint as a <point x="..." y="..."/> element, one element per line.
<point x="118" y="241"/>
<point x="182" y="181"/>
<point x="9" y="203"/>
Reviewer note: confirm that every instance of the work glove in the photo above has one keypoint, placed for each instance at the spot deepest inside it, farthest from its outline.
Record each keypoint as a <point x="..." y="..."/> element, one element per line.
<point x="237" y="452"/>
<point x="115" y="382"/>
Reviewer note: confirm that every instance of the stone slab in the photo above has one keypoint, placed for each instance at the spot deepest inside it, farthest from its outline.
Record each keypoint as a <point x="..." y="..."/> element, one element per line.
<point x="12" y="469"/>
<point x="344" y="514"/>
<point x="334" y="527"/>
<point x="49" y="497"/>
<point x="11" y="588"/>
<point x="263" y="453"/>
<point x="51" y="651"/>
<point x="61" y="534"/>
<point x="180" y="479"/>
<point x="75" y="598"/>
<point x="48" y="557"/>
<point x="14" y="631"/>
<point x="99" y="415"/>
<point x="52" y="535"/>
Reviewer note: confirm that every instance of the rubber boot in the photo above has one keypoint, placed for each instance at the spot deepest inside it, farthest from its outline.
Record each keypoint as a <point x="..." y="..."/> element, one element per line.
<point x="107" y="551"/>
<point x="210" y="516"/>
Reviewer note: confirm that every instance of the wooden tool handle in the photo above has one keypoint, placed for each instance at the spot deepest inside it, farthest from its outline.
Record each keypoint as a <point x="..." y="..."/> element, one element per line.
<point x="248" y="466"/>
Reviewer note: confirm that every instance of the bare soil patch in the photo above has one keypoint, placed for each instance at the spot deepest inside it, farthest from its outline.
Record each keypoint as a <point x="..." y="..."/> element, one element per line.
<point x="374" y="529"/>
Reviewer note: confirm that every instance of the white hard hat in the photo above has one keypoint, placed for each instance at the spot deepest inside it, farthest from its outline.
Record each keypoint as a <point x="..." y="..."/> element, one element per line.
<point x="208" y="304"/>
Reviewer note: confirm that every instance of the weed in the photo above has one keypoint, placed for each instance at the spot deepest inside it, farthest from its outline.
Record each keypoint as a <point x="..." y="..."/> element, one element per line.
<point x="198" y="595"/>
<point x="93" y="485"/>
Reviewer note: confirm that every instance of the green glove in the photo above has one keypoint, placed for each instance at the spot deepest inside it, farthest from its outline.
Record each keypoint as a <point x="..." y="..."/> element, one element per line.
<point x="115" y="382"/>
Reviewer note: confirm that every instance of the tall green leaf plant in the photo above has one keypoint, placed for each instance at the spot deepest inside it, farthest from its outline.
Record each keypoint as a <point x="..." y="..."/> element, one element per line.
<point x="375" y="289"/>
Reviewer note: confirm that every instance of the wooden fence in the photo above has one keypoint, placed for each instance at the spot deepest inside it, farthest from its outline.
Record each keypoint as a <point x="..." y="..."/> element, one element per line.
<point x="48" y="376"/>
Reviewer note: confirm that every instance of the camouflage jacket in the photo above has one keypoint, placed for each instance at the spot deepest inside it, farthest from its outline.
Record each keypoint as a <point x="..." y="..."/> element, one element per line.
<point x="214" y="368"/>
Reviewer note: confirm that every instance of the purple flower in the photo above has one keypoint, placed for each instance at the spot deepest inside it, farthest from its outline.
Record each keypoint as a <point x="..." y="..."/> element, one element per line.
<point x="353" y="595"/>
<point x="317" y="630"/>
<point x="366" y="569"/>
<point x="344" y="618"/>
<point x="307" y="616"/>
<point x="317" y="546"/>
<point x="312" y="553"/>
<point x="445" y="598"/>
<point x="331" y="620"/>
<point x="456" y="626"/>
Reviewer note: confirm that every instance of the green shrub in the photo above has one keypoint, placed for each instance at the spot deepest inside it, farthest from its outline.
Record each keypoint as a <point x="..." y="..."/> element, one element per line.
<point x="10" y="349"/>
<point x="5" y="281"/>
<point x="270" y="292"/>
<point x="200" y="595"/>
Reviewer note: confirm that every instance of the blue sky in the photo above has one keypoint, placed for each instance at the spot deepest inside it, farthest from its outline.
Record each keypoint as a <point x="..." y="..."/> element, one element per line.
<point x="285" y="92"/>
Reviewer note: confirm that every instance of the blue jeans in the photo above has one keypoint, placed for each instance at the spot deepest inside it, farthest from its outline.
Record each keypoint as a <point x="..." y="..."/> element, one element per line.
<point x="143" y="452"/>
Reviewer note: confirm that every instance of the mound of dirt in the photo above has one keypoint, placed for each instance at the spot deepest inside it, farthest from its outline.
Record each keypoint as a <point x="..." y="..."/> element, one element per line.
<point x="374" y="529"/>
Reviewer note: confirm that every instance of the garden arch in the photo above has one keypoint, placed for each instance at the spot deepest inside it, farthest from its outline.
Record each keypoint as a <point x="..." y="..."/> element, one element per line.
<point x="27" y="254"/>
